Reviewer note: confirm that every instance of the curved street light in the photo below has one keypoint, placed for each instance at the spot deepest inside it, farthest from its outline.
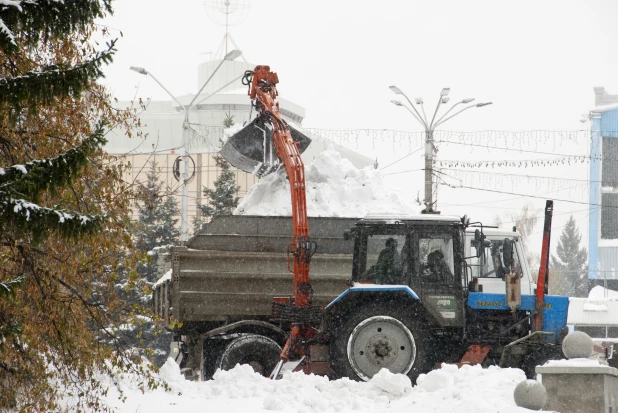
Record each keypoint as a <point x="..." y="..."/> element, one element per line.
<point x="429" y="129"/>
<point x="184" y="222"/>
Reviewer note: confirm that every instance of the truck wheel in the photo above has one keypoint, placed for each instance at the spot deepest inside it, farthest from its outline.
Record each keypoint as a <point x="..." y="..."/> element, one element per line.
<point x="212" y="352"/>
<point x="380" y="337"/>
<point x="538" y="357"/>
<point x="260" y="352"/>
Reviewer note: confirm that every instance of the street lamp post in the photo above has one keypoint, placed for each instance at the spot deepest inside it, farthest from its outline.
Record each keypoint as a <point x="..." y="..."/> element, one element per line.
<point x="429" y="129"/>
<point x="184" y="221"/>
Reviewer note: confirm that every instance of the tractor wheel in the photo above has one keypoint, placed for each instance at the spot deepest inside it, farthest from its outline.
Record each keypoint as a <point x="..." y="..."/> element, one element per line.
<point x="539" y="356"/>
<point x="260" y="352"/>
<point x="377" y="337"/>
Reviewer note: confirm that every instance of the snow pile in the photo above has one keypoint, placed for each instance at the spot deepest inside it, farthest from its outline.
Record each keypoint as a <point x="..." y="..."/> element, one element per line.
<point x="601" y="292"/>
<point x="470" y="389"/>
<point x="335" y="188"/>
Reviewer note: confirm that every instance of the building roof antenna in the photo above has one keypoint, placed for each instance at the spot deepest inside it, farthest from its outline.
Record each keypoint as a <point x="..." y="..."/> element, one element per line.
<point x="227" y="13"/>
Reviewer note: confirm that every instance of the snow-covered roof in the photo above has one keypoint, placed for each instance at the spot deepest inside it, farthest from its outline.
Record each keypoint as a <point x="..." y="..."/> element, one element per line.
<point x="604" y="108"/>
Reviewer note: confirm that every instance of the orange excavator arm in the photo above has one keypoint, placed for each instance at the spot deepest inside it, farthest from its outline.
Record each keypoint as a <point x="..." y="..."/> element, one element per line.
<point x="251" y="149"/>
<point x="263" y="91"/>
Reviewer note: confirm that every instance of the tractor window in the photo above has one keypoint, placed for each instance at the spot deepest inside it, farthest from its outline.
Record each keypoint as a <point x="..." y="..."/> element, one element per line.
<point x="384" y="259"/>
<point x="436" y="258"/>
<point x="492" y="265"/>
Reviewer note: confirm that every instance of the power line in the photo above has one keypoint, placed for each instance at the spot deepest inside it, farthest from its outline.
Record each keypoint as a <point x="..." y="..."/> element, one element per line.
<point x="525" y="195"/>
<point x="401" y="159"/>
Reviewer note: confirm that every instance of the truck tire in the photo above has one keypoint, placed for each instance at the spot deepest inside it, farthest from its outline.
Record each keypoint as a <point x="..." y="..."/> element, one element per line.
<point x="380" y="336"/>
<point x="212" y="352"/>
<point x="260" y="352"/>
<point x="539" y="356"/>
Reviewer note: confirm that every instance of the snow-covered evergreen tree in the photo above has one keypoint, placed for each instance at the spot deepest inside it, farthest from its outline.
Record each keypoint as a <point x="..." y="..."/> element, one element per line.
<point x="157" y="225"/>
<point x="58" y="306"/>
<point x="569" y="270"/>
<point x="223" y="199"/>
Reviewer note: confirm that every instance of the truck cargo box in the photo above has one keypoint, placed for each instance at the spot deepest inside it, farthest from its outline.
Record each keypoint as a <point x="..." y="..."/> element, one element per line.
<point x="233" y="267"/>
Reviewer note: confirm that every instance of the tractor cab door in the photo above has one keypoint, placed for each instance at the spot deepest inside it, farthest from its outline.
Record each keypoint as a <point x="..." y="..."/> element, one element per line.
<point x="383" y="257"/>
<point x="437" y="275"/>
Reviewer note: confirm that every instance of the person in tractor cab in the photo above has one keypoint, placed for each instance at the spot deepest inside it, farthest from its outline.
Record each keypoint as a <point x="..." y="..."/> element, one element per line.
<point x="388" y="266"/>
<point x="437" y="270"/>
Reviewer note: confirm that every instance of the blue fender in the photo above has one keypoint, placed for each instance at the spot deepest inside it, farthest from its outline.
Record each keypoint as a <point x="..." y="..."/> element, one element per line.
<point x="362" y="292"/>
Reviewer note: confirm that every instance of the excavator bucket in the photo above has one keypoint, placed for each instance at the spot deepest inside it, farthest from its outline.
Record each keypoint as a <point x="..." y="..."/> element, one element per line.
<point x="252" y="148"/>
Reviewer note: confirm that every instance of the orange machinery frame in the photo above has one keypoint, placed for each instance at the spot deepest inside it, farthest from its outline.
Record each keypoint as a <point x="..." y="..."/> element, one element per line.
<point x="263" y="92"/>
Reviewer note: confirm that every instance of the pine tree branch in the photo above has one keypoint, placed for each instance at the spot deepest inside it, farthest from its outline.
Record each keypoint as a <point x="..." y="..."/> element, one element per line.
<point x="26" y="217"/>
<point x="29" y="180"/>
<point x="44" y="19"/>
<point x="7" y="288"/>
<point x="54" y="81"/>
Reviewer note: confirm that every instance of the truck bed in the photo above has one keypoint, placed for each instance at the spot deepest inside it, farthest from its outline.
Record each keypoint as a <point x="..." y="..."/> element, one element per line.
<point x="235" y="265"/>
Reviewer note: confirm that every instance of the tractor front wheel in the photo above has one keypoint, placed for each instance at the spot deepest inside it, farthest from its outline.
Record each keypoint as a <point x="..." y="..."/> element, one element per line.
<point x="377" y="337"/>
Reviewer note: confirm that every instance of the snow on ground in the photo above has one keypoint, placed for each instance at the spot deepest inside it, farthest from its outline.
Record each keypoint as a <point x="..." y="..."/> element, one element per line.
<point x="470" y="389"/>
<point x="335" y="188"/>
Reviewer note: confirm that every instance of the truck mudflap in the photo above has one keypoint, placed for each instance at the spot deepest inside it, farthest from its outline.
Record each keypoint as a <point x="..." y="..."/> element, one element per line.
<point x="554" y="314"/>
<point x="362" y="288"/>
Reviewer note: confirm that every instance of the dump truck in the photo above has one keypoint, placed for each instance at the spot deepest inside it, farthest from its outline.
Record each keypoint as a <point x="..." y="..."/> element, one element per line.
<point x="221" y="285"/>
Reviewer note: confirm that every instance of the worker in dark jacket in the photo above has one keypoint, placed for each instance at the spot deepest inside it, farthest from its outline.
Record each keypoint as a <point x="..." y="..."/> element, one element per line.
<point x="389" y="263"/>
<point x="437" y="269"/>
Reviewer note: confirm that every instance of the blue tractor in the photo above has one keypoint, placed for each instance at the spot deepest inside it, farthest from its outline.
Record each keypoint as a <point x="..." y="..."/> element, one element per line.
<point x="429" y="289"/>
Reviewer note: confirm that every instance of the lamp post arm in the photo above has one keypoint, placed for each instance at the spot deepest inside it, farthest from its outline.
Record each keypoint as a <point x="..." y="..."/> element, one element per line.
<point x="453" y="115"/>
<point x="205" y="83"/>
<point x="413" y="114"/>
<point x="220" y="89"/>
<point x="168" y="92"/>
<point x="435" y="113"/>
<point x="419" y="118"/>
<point x="447" y="112"/>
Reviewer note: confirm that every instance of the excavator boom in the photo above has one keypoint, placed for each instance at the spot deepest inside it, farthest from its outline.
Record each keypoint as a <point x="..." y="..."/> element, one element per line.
<point x="263" y="92"/>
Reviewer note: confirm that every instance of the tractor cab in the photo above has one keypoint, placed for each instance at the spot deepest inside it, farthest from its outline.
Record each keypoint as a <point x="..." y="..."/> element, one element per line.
<point x="423" y="253"/>
<point x="487" y="263"/>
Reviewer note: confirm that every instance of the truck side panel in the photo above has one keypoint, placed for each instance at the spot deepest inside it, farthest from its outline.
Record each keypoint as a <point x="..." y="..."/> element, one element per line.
<point x="225" y="285"/>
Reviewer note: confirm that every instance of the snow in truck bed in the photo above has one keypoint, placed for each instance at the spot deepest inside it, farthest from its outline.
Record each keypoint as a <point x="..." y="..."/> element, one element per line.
<point x="335" y="188"/>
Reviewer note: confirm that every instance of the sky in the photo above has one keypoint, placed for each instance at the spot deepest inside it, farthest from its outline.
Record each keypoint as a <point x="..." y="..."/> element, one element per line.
<point x="537" y="62"/>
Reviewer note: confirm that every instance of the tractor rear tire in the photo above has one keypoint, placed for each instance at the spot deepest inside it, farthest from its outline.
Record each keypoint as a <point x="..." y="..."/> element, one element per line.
<point x="381" y="335"/>
<point x="260" y="352"/>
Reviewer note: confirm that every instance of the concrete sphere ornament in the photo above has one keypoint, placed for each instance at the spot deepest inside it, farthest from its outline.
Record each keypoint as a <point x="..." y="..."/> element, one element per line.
<point x="530" y="394"/>
<point x="577" y="345"/>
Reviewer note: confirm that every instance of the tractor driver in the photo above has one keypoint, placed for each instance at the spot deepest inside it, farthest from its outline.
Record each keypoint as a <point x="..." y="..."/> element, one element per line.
<point x="388" y="266"/>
